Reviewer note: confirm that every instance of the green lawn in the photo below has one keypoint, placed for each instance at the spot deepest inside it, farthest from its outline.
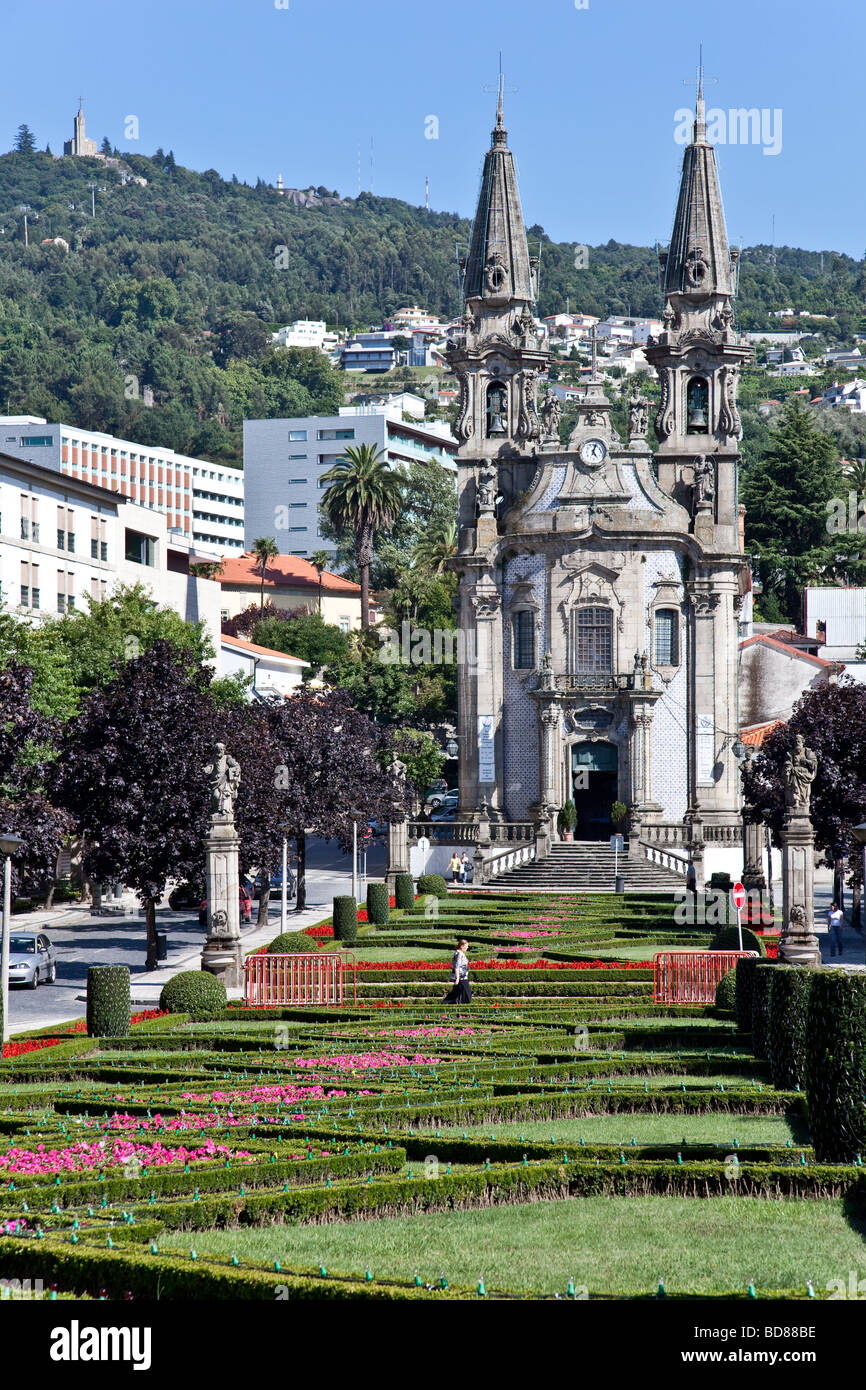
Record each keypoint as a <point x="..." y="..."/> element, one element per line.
<point x="646" y="1129"/>
<point x="606" y="1244"/>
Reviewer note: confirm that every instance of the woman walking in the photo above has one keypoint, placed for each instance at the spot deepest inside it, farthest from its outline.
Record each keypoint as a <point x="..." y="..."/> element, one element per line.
<point x="461" y="991"/>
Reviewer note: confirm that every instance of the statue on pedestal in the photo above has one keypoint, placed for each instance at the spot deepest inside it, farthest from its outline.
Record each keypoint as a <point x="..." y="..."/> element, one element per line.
<point x="225" y="775"/>
<point x="801" y="766"/>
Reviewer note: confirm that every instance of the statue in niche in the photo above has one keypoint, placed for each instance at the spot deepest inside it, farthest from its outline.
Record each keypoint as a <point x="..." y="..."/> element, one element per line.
<point x="485" y="496"/>
<point x="551" y="416"/>
<point x="705" y="484"/>
<point x="637" y="415"/>
<point x="801" y="767"/>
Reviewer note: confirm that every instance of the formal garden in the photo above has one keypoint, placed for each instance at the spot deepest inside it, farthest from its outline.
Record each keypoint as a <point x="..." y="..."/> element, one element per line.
<point x="562" y="1136"/>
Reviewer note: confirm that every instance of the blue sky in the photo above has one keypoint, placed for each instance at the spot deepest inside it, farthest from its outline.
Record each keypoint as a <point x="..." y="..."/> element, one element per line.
<point x="249" y="88"/>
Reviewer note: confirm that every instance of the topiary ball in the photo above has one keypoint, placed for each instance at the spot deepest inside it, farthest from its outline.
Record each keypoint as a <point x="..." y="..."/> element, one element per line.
<point x="433" y="883"/>
<point x="728" y="939"/>
<point x="292" y="943"/>
<point x="194" y="992"/>
<point x="726" y="992"/>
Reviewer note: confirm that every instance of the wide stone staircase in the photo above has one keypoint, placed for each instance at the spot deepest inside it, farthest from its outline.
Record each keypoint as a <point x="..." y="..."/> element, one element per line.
<point x="587" y="866"/>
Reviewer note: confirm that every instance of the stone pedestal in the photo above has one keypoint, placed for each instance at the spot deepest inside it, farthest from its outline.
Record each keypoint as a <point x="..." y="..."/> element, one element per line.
<point x="398" y="852"/>
<point x="799" y="944"/>
<point x="223" y="953"/>
<point x="753" y="857"/>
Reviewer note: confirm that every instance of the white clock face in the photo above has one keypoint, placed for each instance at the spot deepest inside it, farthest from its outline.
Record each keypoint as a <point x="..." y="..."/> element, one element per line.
<point x="593" y="451"/>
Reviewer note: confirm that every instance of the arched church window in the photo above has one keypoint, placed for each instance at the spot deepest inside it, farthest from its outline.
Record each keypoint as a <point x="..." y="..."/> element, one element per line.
<point x="496" y="409"/>
<point x="666" y="637"/>
<point x="594" y="641"/>
<point x="523" y="639"/>
<point x="697" y="406"/>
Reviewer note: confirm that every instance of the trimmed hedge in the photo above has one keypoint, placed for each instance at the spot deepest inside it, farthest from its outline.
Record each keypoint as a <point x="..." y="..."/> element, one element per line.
<point x="745" y="975"/>
<point x="194" y="992"/>
<point x="345" y="920"/>
<point x="763" y="981"/>
<point x="726" y="992"/>
<point x="378" y="909"/>
<point x="433" y="883"/>
<point x="108" y="1007"/>
<point x="789" y="1006"/>
<point x="835" y="1064"/>
<point x="292" y="943"/>
<point x="404" y="892"/>
<point x="728" y="939"/>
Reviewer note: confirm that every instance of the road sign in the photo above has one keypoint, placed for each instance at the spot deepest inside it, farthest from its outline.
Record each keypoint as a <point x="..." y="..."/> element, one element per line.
<point x="423" y="843"/>
<point x="617" y="843"/>
<point x="738" y="893"/>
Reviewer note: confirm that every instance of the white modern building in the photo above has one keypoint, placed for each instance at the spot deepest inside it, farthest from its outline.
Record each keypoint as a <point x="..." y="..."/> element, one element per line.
<point x="64" y="540"/>
<point x="307" y="333"/>
<point x="200" y="500"/>
<point x="270" y="672"/>
<point x="284" y="461"/>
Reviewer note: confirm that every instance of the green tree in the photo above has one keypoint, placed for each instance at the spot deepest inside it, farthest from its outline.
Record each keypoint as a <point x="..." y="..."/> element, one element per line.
<point x="436" y="548"/>
<point x="265" y="549"/>
<point x="25" y="141"/>
<point x="306" y="636"/>
<point x="363" y="497"/>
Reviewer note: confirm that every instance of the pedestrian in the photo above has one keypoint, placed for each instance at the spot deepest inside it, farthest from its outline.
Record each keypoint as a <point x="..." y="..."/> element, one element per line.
<point x="465" y="866"/>
<point x="835" y="919"/>
<point x="461" y="991"/>
<point x="454" y="866"/>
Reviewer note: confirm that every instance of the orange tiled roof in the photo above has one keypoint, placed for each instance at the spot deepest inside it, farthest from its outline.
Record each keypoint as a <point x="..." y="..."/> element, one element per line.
<point x="283" y="572"/>
<point x="255" y="650"/>
<point x="754" y="735"/>
<point x="787" y="648"/>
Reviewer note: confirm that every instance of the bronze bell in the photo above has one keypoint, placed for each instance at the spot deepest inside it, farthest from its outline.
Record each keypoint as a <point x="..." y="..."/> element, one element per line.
<point x="697" y="418"/>
<point x="497" y="424"/>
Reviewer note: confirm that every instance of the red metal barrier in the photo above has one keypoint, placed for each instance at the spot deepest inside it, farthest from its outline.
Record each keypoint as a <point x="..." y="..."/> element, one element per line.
<point x="294" y="979"/>
<point x="690" y="977"/>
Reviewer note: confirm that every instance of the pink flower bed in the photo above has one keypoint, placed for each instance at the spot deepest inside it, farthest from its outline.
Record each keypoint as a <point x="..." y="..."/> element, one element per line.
<point x="84" y="1156"/>
<point x="366" y="1061"/>
<point x="269" y="1095"/>
<point x="171" y="1124"/>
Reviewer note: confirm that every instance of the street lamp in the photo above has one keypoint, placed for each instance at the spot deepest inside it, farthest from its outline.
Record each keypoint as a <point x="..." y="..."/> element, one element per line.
<point x="9" y="845"/>
<point x="452" y="748"/>
<point x="356" y="816"/>
<point x="859" y="833"/>
<point x="286" y="830"/>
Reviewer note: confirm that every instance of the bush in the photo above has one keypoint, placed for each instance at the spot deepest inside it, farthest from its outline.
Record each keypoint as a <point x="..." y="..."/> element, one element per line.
<point x="789" y="1006"/>
<point x="292" y="943"/>
<point x="378" y="909"/>
<point x="433" y="883"/>
<point x="108" y="1007"/>
<point x="194" y="992"/>
<point x="835" y="1064"/>
<point x="728" y="939"/>
<point x="745" y="973"/>
<point x="763" y="982"/>
<point x="404" y="891"/>
<point x="345" y="920"/>
<point x="726" y="992"/>
<point x="721" y="881"/>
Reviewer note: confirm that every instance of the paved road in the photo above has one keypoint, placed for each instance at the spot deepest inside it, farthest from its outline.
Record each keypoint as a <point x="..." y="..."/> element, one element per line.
<point x="83" y="940"/>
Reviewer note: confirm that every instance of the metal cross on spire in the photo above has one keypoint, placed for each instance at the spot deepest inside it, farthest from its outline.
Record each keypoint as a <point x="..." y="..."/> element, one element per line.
<point x="700" y="80"/>
<point x="500" y="90"/>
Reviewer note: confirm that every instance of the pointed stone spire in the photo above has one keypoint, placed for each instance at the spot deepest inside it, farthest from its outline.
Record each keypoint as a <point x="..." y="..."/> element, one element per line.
<point x="498" y="269"/>
<point x="698" y="263"/>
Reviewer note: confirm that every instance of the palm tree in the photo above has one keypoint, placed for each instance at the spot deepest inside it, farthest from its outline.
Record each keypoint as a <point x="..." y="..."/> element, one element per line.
<point x="364" y="497"/>
<point x="435" y="548"/>
<point x="320" y="559"/>
<point x="856" y="474"/>
<point x="265" y="549"/>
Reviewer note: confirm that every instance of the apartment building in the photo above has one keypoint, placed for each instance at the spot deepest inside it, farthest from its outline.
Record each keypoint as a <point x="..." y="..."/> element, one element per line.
<point x="284" y="461"/>
<point x="64" y="540"/>
<point x="203" y="501"/>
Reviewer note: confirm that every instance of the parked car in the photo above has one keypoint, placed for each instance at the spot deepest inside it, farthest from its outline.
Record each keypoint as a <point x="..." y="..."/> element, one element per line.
<point x="32" y="959"/>
<point x="245" y="903"/>
<point x="446" y="805"/>
<point x="436" y="798"/>
<point x="436" y="787"/>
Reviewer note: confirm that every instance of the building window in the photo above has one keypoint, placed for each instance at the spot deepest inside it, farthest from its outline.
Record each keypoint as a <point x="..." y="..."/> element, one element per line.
<point x="345" y="624"/>
<point x="297" y="434"/>
<point x="697" y="406"/>
<point x="34" y="598"/>
<point x="140" y="549"/>
<point x="523" y="639"/>
<point x="103" y="550"/>
<point x="594" y="646"/>
<point x="25" y="595"/>
<point x="94" y="549"/>
<point x="335" y="434"/>
<point x="25" y="528"/>
<point x="666" y="631"/>
<point x="70" y="542"/>
<point x="36" y="441"/>
<point x="61" y="540"/>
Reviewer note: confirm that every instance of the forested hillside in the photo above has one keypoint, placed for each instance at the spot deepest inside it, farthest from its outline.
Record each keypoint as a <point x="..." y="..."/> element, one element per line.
<point x="176" y="285"/>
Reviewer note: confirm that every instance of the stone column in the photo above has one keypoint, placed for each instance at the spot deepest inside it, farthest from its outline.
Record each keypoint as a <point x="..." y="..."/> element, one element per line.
<point x="223" y="953"/>
<point x="753" y="859"/>
<point x="398" y="852"/>
<point x="799" y="944"/>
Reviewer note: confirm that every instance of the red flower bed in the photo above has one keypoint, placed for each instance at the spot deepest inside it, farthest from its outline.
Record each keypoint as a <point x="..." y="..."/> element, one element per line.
<point x="13" y="1049"/>
<point x="320" y="933"/>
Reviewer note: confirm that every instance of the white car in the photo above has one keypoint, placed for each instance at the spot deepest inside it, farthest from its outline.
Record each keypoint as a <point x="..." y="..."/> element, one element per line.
<point x="32" y="959"/>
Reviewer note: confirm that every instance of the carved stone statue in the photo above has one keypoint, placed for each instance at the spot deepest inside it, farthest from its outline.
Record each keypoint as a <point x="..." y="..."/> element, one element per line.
<point x="551" y="415"/>
<point x="547" y="682"/>
<point x="225" y="774"/>
<point x="801" y="766"/>
<point x="637" y="416"/>
<point x="486" y="489"/>
<point x="705" y="483"/>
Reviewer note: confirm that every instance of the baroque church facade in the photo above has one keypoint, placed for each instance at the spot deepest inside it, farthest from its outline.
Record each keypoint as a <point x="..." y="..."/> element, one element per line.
<point x="599" y="585"/>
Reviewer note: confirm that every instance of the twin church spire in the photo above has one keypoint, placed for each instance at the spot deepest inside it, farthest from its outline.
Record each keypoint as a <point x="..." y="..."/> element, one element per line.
<point x="498" y="267"/>
<point x="699" y="262"/>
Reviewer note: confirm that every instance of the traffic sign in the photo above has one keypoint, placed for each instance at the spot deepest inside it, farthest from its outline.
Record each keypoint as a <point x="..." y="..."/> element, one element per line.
<point x="617" y="843"/>
<point x="738" y="893"/>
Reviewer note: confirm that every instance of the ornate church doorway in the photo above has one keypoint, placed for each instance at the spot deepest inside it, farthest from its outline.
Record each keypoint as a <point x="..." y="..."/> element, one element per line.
<point x="594" y="786"/>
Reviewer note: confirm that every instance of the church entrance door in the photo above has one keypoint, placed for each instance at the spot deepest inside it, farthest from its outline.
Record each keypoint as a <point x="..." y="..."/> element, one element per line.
<point x="594" y="788"/>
